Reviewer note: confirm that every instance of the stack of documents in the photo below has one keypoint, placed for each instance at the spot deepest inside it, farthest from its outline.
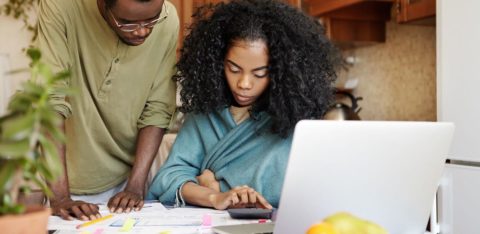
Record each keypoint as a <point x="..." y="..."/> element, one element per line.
<point x="153" y="218"/>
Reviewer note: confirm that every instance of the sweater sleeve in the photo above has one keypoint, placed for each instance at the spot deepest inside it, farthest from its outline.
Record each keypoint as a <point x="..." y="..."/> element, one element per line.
<point x="183" y="164"/>
<point x="52" y="42"/>
<point x="160" y="105"/>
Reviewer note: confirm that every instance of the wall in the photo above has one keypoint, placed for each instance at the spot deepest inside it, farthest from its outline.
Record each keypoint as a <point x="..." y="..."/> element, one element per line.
<point x="13" y="39"/>
<point x="397" y="78"/>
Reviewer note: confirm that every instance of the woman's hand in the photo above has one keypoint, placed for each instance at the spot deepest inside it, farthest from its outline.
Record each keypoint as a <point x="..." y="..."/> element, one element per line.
<point x="239" y="197"/>
<point x="207" y="179"/>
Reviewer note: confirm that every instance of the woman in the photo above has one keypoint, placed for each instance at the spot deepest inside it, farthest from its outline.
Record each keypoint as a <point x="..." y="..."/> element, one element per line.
<point x="249" y="71"/>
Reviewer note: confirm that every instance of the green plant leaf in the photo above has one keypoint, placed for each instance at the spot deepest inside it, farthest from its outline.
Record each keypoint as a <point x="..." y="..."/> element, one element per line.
<point x="50" y="155"/>
<point x="44" y="172"/>
<point x="14" y="149"/>
<point x="21" y="102"/>
<point x="60" y="76"/>
<point x="18" y="128"/>
<point x="7" y="206"/>
<point x="33" y="89"/>
<point x="53" y="131"/>
<point x="34" y="54"/>
<point x="6" y="174"/>
<point x="45" y="71"/>
<point x="43" y="186"/>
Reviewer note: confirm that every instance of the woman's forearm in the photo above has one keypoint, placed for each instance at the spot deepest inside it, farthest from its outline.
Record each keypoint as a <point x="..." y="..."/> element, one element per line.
<point x="198" y="195"/>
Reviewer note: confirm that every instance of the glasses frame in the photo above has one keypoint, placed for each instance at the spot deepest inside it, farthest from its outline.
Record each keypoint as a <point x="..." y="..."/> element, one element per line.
<point x="148" y="25"/>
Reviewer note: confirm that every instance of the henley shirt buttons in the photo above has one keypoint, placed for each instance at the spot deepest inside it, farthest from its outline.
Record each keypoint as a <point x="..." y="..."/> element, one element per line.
<point x="108" y="82"/>
<point x="117" y="60"/>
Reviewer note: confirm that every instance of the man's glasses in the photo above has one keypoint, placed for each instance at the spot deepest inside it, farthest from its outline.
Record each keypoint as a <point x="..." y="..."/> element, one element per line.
<point x="135" y="27"/>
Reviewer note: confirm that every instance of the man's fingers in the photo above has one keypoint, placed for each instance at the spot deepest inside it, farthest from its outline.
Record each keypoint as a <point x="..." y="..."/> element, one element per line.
<point x="78" y="213"/>
<point x="139" y="205"/>
<point x="94" y="208"/>
<point x="85" y="208"/>
<point x="64" y="214"/>
<point x="131" y="203"/>
<point x="113" y="204"/>
<point x="122" y="206"/>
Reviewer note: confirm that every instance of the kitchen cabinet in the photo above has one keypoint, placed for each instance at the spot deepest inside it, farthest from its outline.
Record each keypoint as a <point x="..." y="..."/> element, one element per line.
<point x="352" y="21"/>
<point x="186" y="8"/>
<point x="416" y="11"/>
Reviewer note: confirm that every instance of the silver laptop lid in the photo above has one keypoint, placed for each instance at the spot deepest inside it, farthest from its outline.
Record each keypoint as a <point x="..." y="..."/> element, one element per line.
<point x="386" y="172"/>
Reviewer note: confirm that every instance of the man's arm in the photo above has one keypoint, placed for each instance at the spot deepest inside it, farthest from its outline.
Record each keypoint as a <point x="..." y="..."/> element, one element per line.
<point x="62" y="205"/>
<point x="148" y="142"/>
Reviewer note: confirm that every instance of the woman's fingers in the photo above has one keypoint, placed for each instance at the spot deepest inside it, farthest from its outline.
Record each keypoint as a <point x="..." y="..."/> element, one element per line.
<point x="252" y="196"/>
<point x="244" y="196"/>
<point x="234" y="198"/>
<point x="263" y="202"/>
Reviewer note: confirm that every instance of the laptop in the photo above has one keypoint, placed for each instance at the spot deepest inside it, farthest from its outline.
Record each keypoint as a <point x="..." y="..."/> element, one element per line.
<point x="383" y="171"/>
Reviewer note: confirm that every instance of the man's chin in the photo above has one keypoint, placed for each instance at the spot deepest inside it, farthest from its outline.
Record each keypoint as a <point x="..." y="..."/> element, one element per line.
<point x="132" y="42"/>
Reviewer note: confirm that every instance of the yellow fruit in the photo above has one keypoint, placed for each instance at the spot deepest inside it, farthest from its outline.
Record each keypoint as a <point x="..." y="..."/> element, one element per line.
<point x="345" y="223"/>
<point x="373" y="228"/>
<point x="321" y="228"/>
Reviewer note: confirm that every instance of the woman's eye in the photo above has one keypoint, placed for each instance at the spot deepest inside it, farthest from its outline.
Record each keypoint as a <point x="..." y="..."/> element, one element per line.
<point x="233" y="69"/>
<point x="260" y="75"/>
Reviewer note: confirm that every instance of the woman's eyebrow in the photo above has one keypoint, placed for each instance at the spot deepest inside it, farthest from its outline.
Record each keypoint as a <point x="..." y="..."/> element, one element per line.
<point x="255" y="69"/>
<point x="260" y="68"/>
<point x="234" y="64"/>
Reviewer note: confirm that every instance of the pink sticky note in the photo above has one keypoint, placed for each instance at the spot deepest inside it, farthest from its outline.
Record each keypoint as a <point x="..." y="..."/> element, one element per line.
<point x="98" y="231"/>
<point x="207" y="220"/>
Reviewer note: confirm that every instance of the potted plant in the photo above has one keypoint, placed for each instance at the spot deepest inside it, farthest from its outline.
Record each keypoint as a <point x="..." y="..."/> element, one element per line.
<point x="29" y="133"/>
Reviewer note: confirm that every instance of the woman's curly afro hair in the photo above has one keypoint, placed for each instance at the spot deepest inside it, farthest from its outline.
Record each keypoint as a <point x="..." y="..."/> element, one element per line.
<point x="302" y="61"/>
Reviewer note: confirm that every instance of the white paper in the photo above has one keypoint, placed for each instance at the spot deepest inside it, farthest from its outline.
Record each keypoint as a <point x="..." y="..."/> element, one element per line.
<point x="153" y="218"/>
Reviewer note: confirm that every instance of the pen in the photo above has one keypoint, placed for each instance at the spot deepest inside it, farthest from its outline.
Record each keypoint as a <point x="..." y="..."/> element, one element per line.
<point x="94" y="221"/>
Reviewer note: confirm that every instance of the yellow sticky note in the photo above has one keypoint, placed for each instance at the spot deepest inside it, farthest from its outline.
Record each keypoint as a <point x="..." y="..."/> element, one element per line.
<point x="165" y="232"/>
<point x="128" y="225"/>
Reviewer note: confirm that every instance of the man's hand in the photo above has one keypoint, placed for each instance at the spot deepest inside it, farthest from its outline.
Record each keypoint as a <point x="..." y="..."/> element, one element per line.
<point x="207" y="179"/>
<point x="131" y="198"/>
<point x="69" y="209"/>
<point x="239" y="197"/>
<point x="126" y="201"/>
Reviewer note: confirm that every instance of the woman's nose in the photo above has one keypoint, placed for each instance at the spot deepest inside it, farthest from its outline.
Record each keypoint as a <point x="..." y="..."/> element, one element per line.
<point x="245" y="82"/>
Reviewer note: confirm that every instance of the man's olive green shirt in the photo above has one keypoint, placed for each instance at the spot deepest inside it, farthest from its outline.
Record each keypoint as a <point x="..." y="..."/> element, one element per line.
<point x="119" y="88"/>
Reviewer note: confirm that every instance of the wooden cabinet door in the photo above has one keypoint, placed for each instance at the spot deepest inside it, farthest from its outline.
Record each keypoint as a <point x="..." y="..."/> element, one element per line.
<point x="413" y="10"/>
<point x="186" y="8"/>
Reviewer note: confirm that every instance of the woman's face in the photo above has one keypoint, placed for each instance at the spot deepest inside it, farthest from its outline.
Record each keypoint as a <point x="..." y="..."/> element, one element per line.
<point x="246" y="69"/>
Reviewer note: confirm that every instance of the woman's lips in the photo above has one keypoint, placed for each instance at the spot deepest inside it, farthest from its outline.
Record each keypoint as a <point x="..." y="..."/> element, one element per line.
<point x="242" y="98"/>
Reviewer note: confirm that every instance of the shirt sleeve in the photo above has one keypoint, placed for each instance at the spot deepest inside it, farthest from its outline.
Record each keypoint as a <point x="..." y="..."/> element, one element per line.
<point x="52" y="42"/>
<point x="183" y="164"/>
<point x="160" y="105"/>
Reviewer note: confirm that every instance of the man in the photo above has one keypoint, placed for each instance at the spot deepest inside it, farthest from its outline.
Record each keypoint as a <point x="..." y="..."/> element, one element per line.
<point x="121" y="54"/>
